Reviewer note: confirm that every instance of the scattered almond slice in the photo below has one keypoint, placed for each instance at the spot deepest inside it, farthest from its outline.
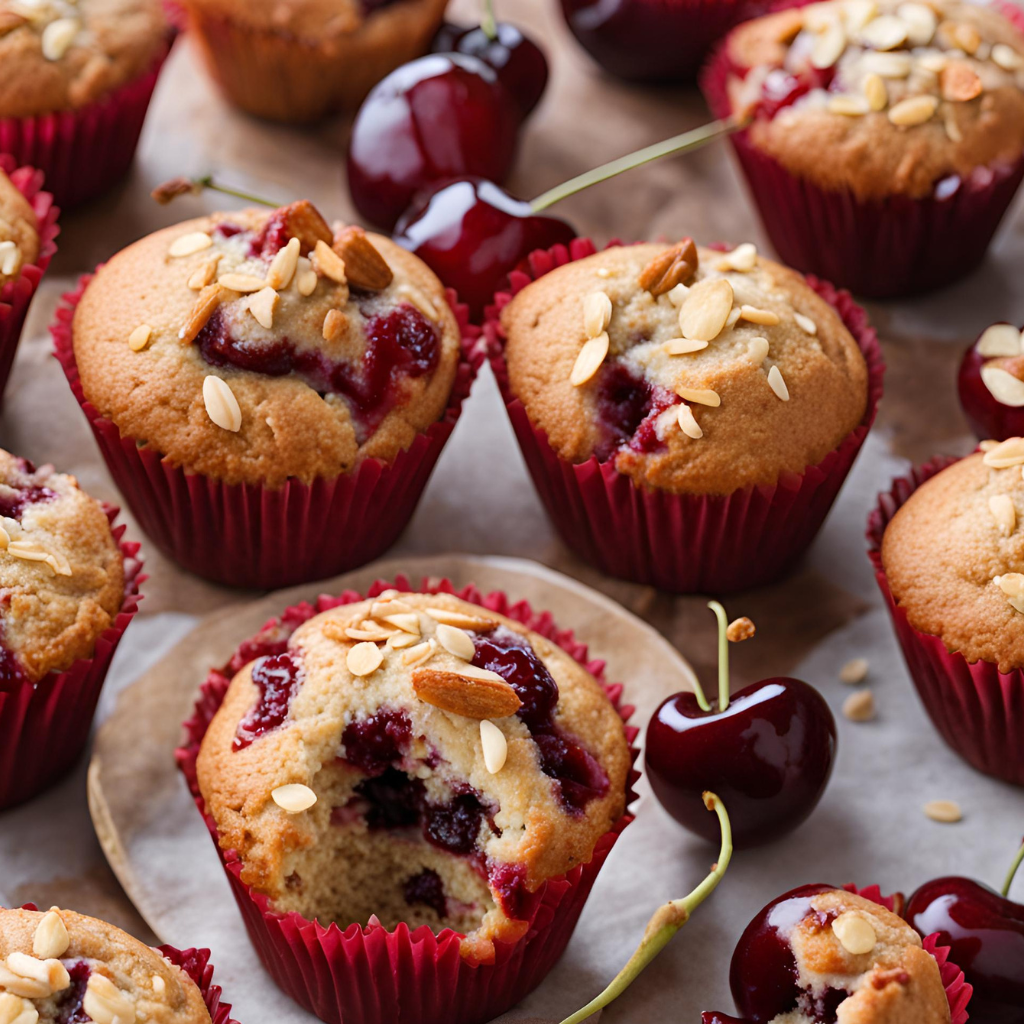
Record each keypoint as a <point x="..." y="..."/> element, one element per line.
<point x="703" y="314"/>
<point x="242" y="283"/>
<point x="50" y="939"/>
<point x="945" y="811"/>
<point x="758" y="350"/>
<point x="1003" y="386"/>
<point x="920" y="21"/>
<point x="828" y="46"/>
<point x="284" y="264"/>
<point x="887" y="64"/>
<point x="1000" y="340"/>
<point x="886" y="32"/>
<point x="420" y="653"/>
<point x="778" y="383"/>
<point x="1012" y="585"/>
<point x="139" y="338"/>
<point x="335" y="325"/>
<point x="204" y="275"/>
<point x="364" y="659"/>
<point x="762" y="317"/>
<point x="262" y="306"/>
<point x="474" y="623"/>
<point x="699" y="396"/>
<point x="209" y="299"/>
<point x="294" y="797"/>
<point x="743" y="258"/>
<point x="190" y="244"/>
<point x="1003" y="512"/>
<point x="860" y="706"/>
<point x="806" y="324"/>
<point x="597" y="313"/>
<point x="684" y="346"/>
<point x="402" y="641"/>
<point x="1006" y="454"/>
<point x="461" y="693"/>
<point x="1007" y="57"/>
<point x="589" y="360"/>
<point x="911" y="112"/>
<point x="306" y="279"/>
<point x="58" y="36"/>
<point x="362" y="264"/>
<point x="105" y="1003"/>
<point x="875" y="92"/>
<point x="328" y="263"/>
<point x="456" y="641"/>
<point x="677" y="295"/>
<point x="494" y="746"/>
<point x="688" y="424"/>
<point x="221" y="405"/>
<point x="407" y="622"/>
<point x="366" y="631"/>
<point x="854" y="672"/>
<point x="849" y="106"/>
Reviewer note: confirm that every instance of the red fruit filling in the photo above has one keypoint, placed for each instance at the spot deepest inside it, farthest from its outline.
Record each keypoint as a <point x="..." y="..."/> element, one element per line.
<point x="14" y="504"/>
<point x="69" y="1002"/>
<point x="783" y="88"/>
<point x="426" y="888"/>
<point x="277" y="677"/>
<point x="627" y="410"/>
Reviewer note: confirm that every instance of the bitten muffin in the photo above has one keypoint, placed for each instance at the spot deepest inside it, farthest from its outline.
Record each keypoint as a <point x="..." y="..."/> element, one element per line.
<point x="415" y="759"/>
<point x="259" y="347"/>
<point x="61" y="966"/>
<point x="61" y="572"/>
<point x="864" y="964"/>
<point x="58" y="55"/>
<point x="881" y="99"/>
<point x="954" y="556"/>
<point x="692" y="371"/>
<point x="297" y="60"/>
<point x="19" y="230"/>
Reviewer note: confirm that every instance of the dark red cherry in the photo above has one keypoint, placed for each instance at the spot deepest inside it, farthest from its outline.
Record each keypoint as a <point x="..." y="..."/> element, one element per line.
<point x="519" y="62"/>
<point x="472" y="233"/>
<point x="438" y="117"/>
<point x="763" y="974"/>
<point x="766" y="751"/>
<point x="986" y="934"/>
<point x="987" y="416"/>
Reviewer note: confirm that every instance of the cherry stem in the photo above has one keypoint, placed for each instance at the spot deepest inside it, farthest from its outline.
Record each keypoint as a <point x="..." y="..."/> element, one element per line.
<point x="667" y="920"/>
<point x="693" y="139"/>
<point x="215" y="186"/>
<point x="723" y="655"/>
<point x="1013" y="871"/>
<point x="487" y="23"/>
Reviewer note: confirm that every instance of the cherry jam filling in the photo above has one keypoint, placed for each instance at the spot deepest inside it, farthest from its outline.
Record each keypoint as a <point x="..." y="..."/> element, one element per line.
<point x="577" y="774"/>
<point x="12" y="673"/>
<point x="373" y="744"/>
<point x="782" y="88"/>
<point x="272" y="237"/>
<point x="400" y="342"/>
<point x="69" y="1008"/>
<point x="13" y="504"/>
<point x="277" y="677"/>
<point x="427" y="889"/>
<point x="627" y="410"/>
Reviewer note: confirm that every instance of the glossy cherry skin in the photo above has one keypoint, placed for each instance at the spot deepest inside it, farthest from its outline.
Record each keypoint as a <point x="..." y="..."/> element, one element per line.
<point x="471" y="233"/>
<point x="986" y="934"/>
<point x="438" y="117"/>
<point x="988" y="418"/>
<point x="517" y="60"/>
<point x="769" y="757"/>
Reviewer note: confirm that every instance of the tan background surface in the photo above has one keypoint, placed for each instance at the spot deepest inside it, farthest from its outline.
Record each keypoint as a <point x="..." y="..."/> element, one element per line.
<point x="869" y="827"/>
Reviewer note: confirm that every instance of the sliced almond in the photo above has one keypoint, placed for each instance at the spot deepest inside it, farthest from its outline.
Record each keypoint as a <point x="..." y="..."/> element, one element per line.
<point x="364" y="659"/>
<point x="1003" y="386"/>
<point x="243" y="283"/>
<point x="876" y="92"/>
<point x="58" y="36"/>
<point x="913" y="111"/>
<point x="494" y="746"/>
<point x="946" y="811"/>
<point x="758" y="350"/>
<point x="967" y="38"/>
<point x="684" y="346"/>
<point x="887" y="65"/>
<point x="828" y="46"/>
<point x="464" y="620"/>
<point x="24" y="988"/>
<point x="221" y="405"/>
<point x="329" y="264"/>
<point x="1004" y="512"/>
<point x="306" y="279"/>
<point x="49" y="972"/>
<point x="959" y="82"/>
<point x="50" y="939"/>
<point x="778" y="383"/>
<point x="284" y="264"/>
<point x="700" y="396"/>
<point x="589" y="360"/>
<point x="190" y="244"/>
<point x="1006" y="454"/>
<point x="16" y="1009"/>
<point x="420" y="653"/>
<point x="806" y="324"/>
<point x="1007" y="57"/>
<point x="920" y="21"/>
<point x="401" y="641"/>
<point x="672" y="267"/>
<point x="105" y="1003"/>
<point x="704" y="313"/>
<point x="294" y="797"/>
<point x="204" y="275"/>
<point x="999" y="340"/>
<point x="364" y="266"/>
<point x="854" y="933"/>
<point x="209" y="299"/>
<point x="886" y="32"/>
<point x="677" y="295"/>
<point x="854" y="672"/>
<point x="743" y="258"/>
<point x="597" y="313"/>
<point x="860" y="706"/>
<point x="688" y="424"/>
<point x="463" y="694"/>
<point x="456" y="641"/>
<point x="849" y="106"/>
<point x="335" y="325"/>
<point x="1012" y="585"/>
<point x="262" y="306"/>
<point x="367" y="631"/>
<point x="763" y="317"/>
<point x="139" y="338"/>
<point x="407" y="622"/>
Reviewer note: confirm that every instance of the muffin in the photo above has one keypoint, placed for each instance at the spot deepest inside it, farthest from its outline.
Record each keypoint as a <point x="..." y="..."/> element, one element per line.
<point x="819" y="953"/>
<point x="885" y="140"/>
<point x="76" y="77"/>
<point x="949" y="557"/>
<point x="412" y="768"/>
<point x="298" y="60"/>
<point x="27" y="230"/>
<point x="69" y="590"/>
<point x="688" y="415"/>
<point x="59" y="966"/>
<point x="255" y="375"/>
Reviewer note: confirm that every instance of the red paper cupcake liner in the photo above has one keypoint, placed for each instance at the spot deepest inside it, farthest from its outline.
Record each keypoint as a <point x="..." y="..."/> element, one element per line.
<point x="16" y="295"/>
<point x="876" y="248"/>
<point x="83" y="152"/>
<point x="958" y="991"/>
<point x="978" y="710"/>
<point x="369" y="975"/>
<point x="247" y="535"/>
<point x="681" y="542"/>
<point x="44" y="726"/>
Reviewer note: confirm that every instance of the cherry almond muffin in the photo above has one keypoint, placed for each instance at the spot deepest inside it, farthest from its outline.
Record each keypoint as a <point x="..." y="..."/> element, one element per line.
<point x="684" y="379"/>
<point x="949" y="555"/>
<point x="885" y="139"/>
<point x="409" y="764"/>
<point x="308" y="378"/>
<point x="76" y="77"/>
<point x="297" y="60"/>
<point x="67" y="595"/>
<point x="61" y="966"/>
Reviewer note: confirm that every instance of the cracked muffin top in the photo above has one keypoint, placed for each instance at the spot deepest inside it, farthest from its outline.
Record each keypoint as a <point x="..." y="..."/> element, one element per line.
<point x="61" y="571"/>
<point x="954" y="556"/>
<point x="882" y="98"/>
<point x="413" y="758"/>
<point x="63" y="54"/>
<point x="59" y="966"/>
<point x="258" y="346"/>
<point x="19" y="231"/>
<point x="693" y="371"/>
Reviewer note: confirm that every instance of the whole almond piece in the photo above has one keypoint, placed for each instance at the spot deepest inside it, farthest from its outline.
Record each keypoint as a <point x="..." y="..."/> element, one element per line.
<point x="470" y="696"/>
<point x="364" y="265"/>
<point x="304" y="222"/>
<point x="674" y="266"/>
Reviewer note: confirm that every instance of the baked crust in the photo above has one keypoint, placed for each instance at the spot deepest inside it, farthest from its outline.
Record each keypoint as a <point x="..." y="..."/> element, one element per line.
<point x="288" y="431"/>
<point x="52" y="613"/>
<point x="537" y="832"/>
<point x="866" y="153"/>
<point x="942" y="552"/>
<point x="18" y="224"/>
<point x="157" y="990"/>
<point x="753" y="437"/>
<point x="314" y="20"/>
<point x="117" y="41"/>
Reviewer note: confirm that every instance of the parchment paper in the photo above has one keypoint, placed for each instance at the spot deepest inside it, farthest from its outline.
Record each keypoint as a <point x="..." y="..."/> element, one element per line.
<point x="869" y="827"/>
